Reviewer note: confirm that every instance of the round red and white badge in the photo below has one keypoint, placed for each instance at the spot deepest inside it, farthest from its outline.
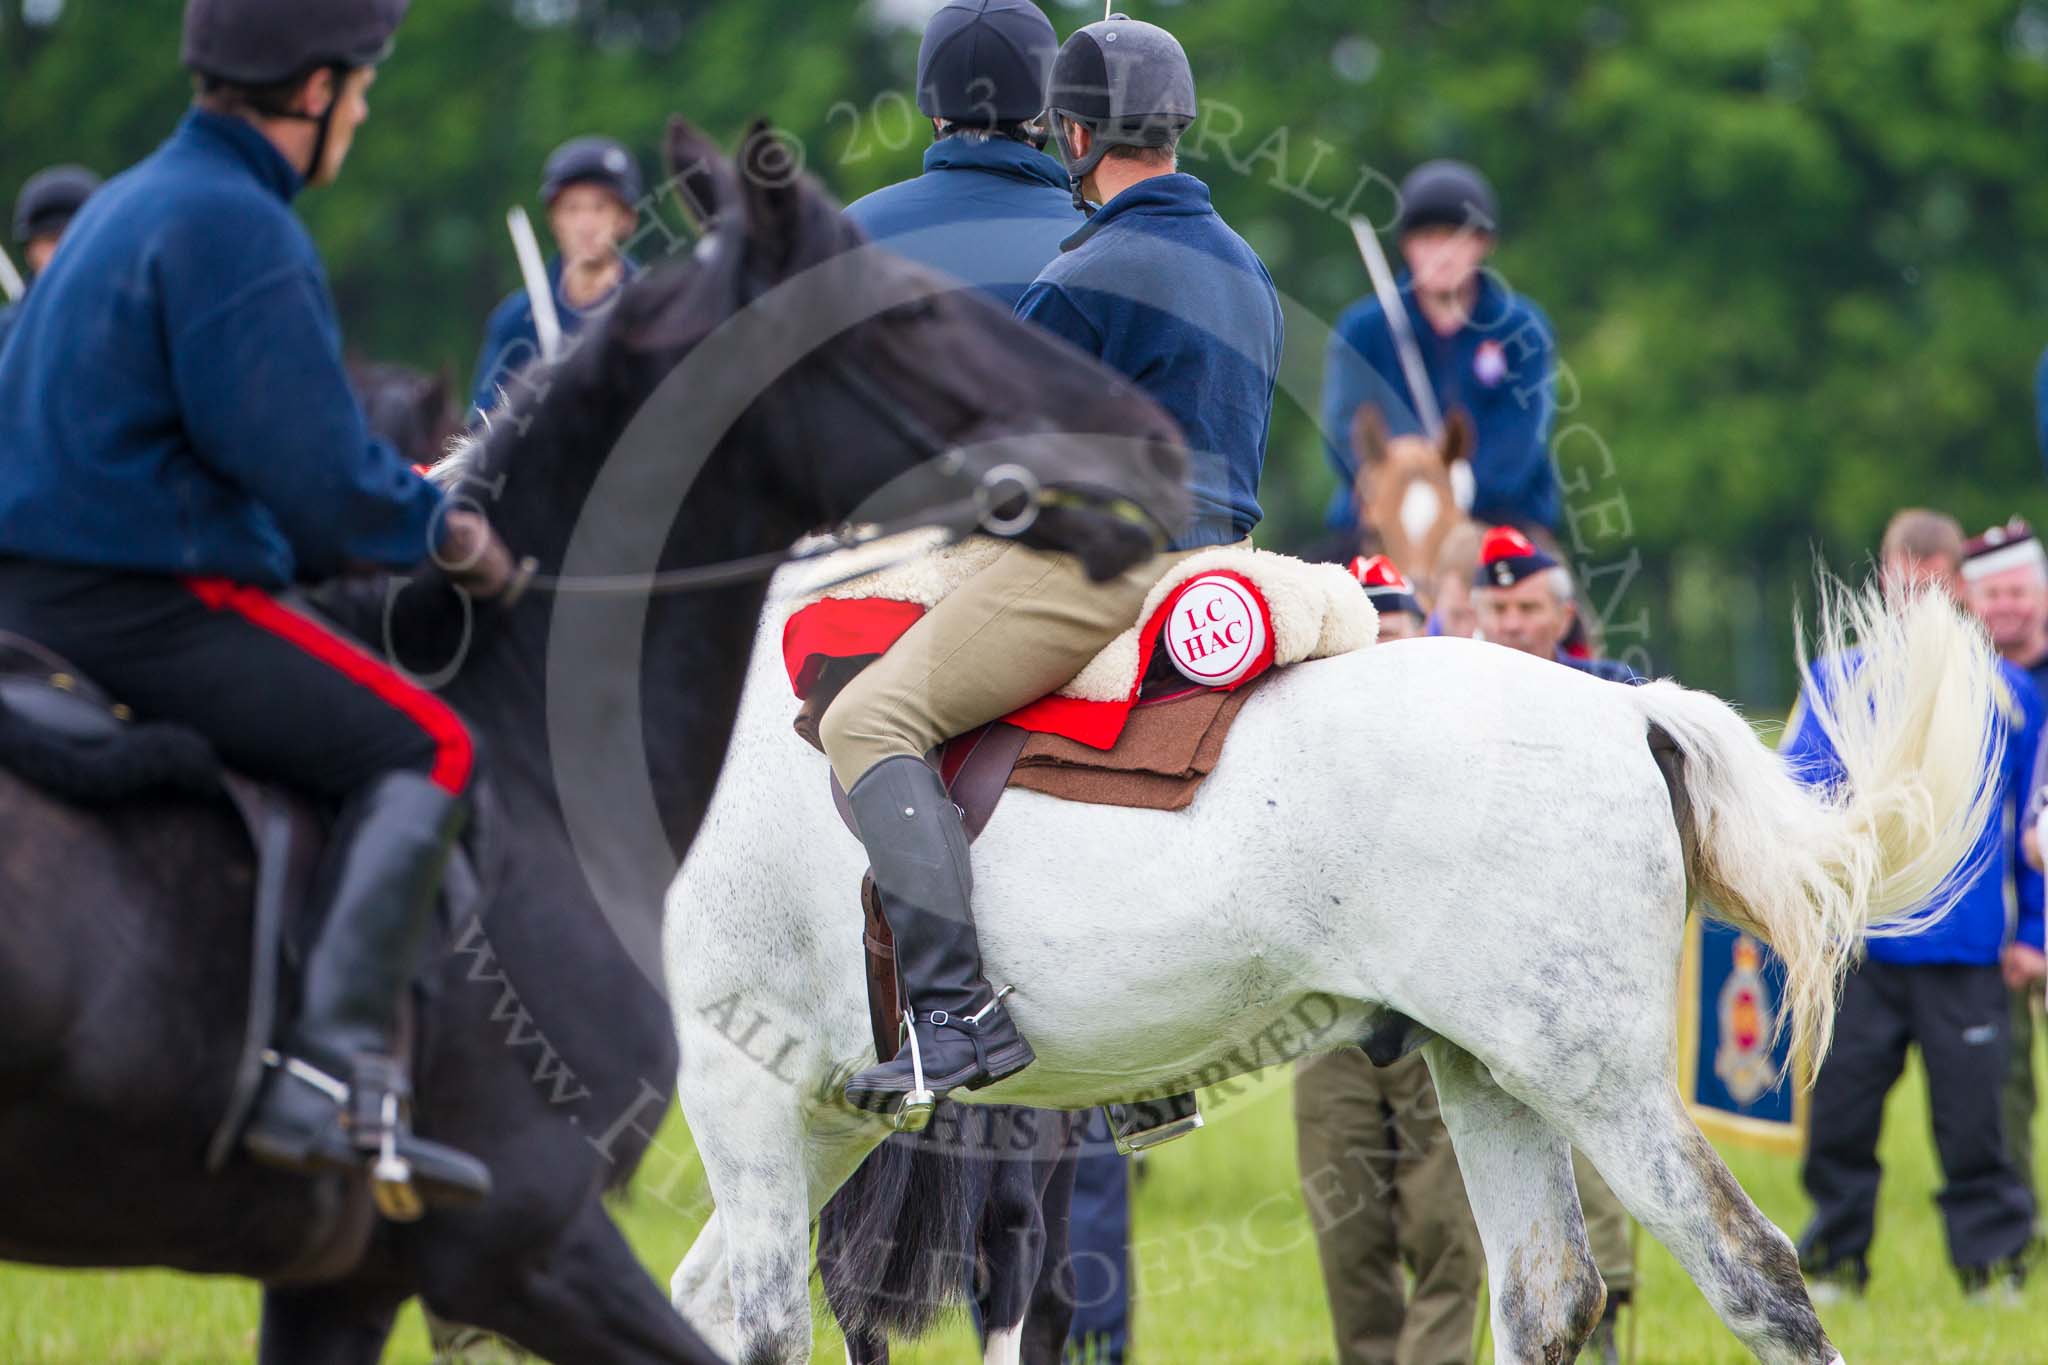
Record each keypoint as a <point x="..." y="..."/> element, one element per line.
<point x="1217" y="630"/>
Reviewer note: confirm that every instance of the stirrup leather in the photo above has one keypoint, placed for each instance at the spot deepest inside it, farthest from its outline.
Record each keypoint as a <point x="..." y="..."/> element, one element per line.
<point x="916" y="1110"/>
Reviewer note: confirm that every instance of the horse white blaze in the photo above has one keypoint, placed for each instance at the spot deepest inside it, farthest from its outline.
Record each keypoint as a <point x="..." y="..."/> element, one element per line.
<point x="1475" y="838"/>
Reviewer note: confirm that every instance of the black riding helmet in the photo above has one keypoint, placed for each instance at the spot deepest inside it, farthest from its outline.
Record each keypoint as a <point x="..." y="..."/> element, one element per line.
<point x="50" y="200"/>
<point x="1447" y="194"/>
<point x="266" y="43"/>
<point x="986" y="62"/>
<point x="1127" y="82"/>
<point x="263" y="42"/>
<point x="591" y="161"/>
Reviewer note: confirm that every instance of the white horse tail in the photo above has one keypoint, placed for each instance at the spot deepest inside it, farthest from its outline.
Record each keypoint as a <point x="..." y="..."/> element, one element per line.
<point x="1913" y="717"/>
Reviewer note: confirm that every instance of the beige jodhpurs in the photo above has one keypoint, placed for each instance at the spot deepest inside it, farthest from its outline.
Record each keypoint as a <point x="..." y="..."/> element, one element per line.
<point x="1016" y="631"/>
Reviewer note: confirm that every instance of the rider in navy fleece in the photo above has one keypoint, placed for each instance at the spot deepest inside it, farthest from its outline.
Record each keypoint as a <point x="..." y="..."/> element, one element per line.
<point x="1139" y="288"/>
<point x="178" y="445"/>
<point x="213" y="430"/>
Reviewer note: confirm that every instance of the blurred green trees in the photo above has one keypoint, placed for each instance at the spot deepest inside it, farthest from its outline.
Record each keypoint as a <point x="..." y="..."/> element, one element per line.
<point x="1793" y="248"/>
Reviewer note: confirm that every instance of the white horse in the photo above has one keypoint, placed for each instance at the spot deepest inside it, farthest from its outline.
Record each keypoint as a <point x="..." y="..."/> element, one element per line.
<point x="1433" y="842"/>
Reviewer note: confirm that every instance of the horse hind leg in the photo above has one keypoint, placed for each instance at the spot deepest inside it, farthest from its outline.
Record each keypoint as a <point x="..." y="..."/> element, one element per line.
<point x="1670" y="1177"/>
<point x="1547" y="1294"/>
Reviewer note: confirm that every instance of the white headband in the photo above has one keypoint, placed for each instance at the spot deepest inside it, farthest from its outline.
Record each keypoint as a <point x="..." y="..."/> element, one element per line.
<point x="2021" y="554"/>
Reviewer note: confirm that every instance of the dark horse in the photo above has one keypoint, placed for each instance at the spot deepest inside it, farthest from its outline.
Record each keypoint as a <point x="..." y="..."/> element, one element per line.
<point x="407" y="407"/>
<point x="780" y="376"/>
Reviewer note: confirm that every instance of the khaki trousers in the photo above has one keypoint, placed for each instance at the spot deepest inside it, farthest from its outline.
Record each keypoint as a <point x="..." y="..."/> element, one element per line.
<point x="1383" y="1191"/>
<point x="1019" y="629"/>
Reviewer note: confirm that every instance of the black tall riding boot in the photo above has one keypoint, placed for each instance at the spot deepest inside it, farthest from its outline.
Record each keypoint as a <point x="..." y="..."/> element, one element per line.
<point x="962" y="1035"/>
<point x="339" y="1099"/>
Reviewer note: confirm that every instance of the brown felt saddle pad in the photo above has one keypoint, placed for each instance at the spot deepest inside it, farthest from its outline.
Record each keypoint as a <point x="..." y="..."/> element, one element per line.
<point x="1167" y="748"/>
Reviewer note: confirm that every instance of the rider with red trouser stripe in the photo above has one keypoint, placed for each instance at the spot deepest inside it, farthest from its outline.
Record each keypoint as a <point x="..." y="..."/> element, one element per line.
<point x="179" y="447"/>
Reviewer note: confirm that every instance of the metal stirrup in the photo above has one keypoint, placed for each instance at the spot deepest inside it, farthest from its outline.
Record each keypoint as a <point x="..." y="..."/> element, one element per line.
<point x="916" y="1110"/>
<point x="391" y="1176"/>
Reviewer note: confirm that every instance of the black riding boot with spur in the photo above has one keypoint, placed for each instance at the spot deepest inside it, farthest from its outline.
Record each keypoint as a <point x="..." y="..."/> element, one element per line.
<point x="960" y="1034"/>
<point x="338" y="1099"/>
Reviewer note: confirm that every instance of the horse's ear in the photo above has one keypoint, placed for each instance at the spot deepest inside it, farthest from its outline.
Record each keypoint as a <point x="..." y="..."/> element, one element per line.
<point x="703" y="177"/>
<point x="1459" y="437"/>
<point x="771" y="186"/>
<point x="1369" y="436"/>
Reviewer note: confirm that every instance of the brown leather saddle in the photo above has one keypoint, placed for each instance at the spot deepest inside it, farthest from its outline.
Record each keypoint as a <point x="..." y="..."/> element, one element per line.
<point x="64" y="734"/>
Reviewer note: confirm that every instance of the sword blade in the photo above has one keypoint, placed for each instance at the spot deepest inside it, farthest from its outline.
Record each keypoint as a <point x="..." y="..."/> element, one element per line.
<point x="547" y="323"/>
<point x="1426" y="408"/>
<point x="11" y="283"/>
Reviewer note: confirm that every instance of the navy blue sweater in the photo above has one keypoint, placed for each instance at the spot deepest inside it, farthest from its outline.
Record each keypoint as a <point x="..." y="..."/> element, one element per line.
<point x="992" y="213"/>
<point x="172" y="397"/>
<point x="1977" y="929"/>
<point x="512" y="338"/>
<point x="1161" y="289"/>
<point x="1499" y="367"/>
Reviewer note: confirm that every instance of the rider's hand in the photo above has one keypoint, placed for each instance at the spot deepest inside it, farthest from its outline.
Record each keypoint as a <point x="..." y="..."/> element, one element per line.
<point x="474" y="558"/>
<point x="2024" y="966"/>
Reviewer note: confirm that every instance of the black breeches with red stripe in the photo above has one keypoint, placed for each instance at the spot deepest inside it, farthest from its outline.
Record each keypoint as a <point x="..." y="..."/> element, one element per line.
<point x="280" y="693"/>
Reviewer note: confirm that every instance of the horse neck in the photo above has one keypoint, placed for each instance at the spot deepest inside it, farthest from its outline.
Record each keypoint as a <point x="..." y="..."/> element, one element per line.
<point x="604" y="765"/>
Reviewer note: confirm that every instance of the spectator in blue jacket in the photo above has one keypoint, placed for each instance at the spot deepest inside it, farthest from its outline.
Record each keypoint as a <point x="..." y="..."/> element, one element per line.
<point x="1486" y="350"/>
<point x="1941" y="989"/>
<point x="991" y="208"/>
<point x="592" y="190"/>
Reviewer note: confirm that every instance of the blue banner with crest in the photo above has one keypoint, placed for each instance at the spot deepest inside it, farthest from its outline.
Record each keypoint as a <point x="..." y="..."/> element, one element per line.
<point x="1734" y="1062"/>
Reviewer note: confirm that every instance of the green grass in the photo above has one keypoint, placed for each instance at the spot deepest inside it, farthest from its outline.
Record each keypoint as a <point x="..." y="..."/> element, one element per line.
<point x="1225" y="1266"/>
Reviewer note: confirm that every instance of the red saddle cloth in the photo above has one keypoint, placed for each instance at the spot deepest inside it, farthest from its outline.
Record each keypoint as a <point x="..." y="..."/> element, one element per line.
<point x="1231" y="642"/>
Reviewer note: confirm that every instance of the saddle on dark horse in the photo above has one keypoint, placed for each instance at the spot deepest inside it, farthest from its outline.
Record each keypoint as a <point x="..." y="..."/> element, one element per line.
<point x="63" y="734"/>
<point x="1142" y="726"/>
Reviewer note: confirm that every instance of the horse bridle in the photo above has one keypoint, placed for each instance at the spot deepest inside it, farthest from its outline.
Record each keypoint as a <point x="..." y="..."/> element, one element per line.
<point x="1001" y="487"/>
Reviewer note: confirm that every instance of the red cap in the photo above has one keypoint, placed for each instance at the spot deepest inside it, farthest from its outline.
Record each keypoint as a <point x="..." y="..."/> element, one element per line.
<point x="1379" y="572"/>
<point x="1506" y="557"/>
<point x="1385" y="585"/>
